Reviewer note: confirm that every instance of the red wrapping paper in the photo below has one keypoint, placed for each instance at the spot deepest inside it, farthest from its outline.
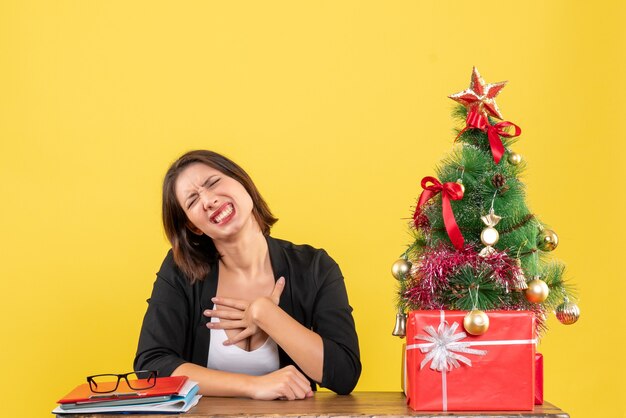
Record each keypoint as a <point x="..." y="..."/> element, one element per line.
<point x="538" y="379"/>
<point x="502" y="379"/>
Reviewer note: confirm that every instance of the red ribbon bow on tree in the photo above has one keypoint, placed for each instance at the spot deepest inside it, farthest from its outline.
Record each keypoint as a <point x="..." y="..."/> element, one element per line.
<point x="494" y="132"/>
<point x="448" y="191"/>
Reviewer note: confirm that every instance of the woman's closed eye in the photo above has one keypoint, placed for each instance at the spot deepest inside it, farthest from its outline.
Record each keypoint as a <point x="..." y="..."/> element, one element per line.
<point x="212" y="181"/>
<point x="191" y="201"/>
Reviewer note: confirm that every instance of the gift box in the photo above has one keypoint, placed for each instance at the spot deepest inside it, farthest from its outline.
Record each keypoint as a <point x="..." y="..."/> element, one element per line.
<point x="403" y="371"/>
<point x="538" y="379"/>
<point x="450" y="370"/>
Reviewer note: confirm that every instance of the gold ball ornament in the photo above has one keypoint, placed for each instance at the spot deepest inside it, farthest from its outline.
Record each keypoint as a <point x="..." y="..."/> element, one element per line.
<point x="567" y="313"/>
<point x="400" y="268"/>
<point x="547" y="240"/>
<point x="514" y="158"/>
<point x="476" y="322"/>
<point x="537" y="291"/>
<point x="489" y="236"/>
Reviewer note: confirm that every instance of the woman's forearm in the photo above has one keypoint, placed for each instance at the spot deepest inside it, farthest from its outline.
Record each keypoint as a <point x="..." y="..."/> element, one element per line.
<point x="286" y="383"/>
<point x="304" y="346"/>
<point x="216" y="382"/>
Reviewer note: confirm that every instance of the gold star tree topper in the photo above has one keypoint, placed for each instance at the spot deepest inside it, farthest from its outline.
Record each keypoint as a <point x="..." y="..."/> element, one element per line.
<point x="480" y="97"/>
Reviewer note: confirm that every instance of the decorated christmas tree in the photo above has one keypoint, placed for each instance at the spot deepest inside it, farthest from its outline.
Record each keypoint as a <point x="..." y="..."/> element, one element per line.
<point x="476" y="244"/>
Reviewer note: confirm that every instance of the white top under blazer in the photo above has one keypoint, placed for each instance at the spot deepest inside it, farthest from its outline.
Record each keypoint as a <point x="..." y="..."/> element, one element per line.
<point x="230" y="358"/>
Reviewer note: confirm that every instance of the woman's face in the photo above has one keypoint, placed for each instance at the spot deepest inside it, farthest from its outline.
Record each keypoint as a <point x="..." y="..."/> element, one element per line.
<point x="215" y="204"/>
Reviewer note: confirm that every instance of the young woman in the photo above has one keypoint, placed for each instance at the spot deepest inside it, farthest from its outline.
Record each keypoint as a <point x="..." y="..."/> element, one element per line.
<point x="240" y="312"/>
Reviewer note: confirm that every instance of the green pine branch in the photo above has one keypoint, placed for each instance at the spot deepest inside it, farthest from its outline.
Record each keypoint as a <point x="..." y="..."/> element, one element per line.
<point x="469" y="289"/>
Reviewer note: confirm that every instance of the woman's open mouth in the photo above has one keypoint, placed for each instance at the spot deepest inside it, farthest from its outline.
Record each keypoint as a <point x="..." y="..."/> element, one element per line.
<point x="223" y="214"/>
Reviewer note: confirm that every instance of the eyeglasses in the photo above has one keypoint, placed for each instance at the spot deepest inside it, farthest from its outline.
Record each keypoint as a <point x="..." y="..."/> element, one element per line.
<point x="105" y="383"/>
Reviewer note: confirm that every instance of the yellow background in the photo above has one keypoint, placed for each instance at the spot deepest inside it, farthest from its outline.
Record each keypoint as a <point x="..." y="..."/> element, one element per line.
<point x="337" y="109"/>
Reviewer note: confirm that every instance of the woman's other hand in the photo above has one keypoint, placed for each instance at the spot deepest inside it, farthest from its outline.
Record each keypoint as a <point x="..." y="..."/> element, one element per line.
<point x="286" y="383"/>
<point x="244" y="313"/>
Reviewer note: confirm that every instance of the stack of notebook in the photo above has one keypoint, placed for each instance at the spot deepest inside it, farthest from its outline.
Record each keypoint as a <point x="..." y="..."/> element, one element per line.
<point x="169" y="395"/>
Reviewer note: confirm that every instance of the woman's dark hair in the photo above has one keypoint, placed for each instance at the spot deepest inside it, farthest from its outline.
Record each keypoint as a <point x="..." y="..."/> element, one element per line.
<point x="193" y="253"/>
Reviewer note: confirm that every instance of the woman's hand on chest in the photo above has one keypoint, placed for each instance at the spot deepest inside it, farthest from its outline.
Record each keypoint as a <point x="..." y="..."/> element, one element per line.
<point x="237" y="315"/>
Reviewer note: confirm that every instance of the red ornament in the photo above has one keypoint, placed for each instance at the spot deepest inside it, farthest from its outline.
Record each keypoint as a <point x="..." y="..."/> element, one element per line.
<point x="449" y="191"/>
<point x="480" y="97"/>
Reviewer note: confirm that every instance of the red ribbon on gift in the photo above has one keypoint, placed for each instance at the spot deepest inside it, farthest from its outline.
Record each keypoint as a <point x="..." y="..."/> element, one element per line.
<point x="494" y="132"/>
<point x="449" y="191"/>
